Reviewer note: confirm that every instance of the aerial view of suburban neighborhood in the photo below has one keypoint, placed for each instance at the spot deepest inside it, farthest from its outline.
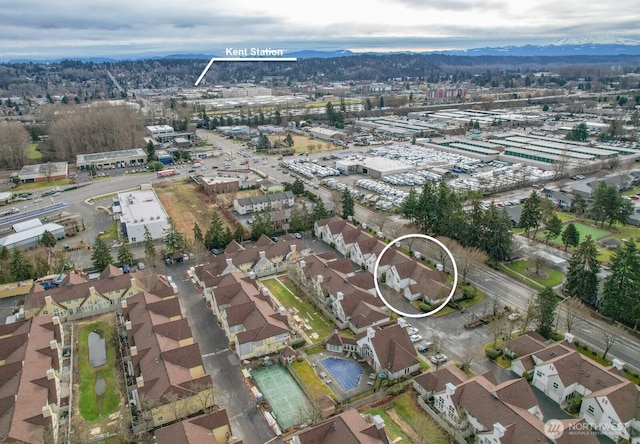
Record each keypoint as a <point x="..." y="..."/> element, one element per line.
<point x="319" y="247"/>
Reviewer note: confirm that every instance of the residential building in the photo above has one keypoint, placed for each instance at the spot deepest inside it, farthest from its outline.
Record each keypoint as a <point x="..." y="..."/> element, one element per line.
<point x="506" y="413"/>
<point x="30" y="380"/>
<point x="252" y="322"/>
<point x="389" y="350"/>
<point x="610" y="401"/>
<point x="256" y="204"/>
<point x="75" y="297"/>
<point x="212" y="428"/>
<point x="164" y="372"/>
<point x="348" y="427"/>
<point x="406" y="275"/>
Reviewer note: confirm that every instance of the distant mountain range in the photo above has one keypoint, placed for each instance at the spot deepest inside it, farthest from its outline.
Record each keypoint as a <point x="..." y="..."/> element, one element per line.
<point x="561" y="48"/>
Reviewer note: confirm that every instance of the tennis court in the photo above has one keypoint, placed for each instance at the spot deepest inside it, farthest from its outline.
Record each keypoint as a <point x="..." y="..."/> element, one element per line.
<point x="287" y="400"/>
<point x="346" y="372"/>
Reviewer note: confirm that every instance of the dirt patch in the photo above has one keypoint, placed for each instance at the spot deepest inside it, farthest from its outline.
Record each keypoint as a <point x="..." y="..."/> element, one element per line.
<point x="186" y="204"/>
<point x="303" y="144"/>
<point x="404" y="425"/>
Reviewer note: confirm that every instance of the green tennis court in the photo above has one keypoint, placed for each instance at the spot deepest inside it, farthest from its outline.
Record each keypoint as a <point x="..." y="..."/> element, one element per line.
<point x="287" y="400"/>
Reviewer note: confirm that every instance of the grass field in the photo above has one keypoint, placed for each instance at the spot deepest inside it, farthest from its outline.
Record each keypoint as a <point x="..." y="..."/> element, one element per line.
<point x="284" y="292"/>
<point x="407" y="407"/>
<point x="548" y="277"/>
<point x="308" y="376"/>
<point x="35" y="186"/>
<point x="91" y="407"/>
<point x="584" y="230"/>
<point x="32" y="153"/>
<point x="392" y="429"/>
<point x="303" y="144"/>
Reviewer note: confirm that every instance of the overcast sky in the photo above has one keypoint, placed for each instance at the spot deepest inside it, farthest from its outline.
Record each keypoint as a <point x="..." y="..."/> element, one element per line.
<point x="41" y="29"/>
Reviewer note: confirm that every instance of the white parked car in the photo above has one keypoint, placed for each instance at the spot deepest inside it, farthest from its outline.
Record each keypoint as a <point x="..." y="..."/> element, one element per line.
<point x="412" y="330"/>
<point x="513" y="316"/>
<point x="439" y="358"/>
<point x="415" y="338"/>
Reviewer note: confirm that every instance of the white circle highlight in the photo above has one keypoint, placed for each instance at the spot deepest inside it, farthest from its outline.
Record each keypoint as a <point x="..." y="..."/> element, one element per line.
<point x="453" y="288"/>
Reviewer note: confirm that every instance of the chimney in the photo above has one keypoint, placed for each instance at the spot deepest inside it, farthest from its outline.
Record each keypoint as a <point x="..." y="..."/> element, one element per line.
<point x="127" y="325"/>
<point x="229" y="262"/>
<point x="569" y="337"/>
<point x="282" y="311"/>
<point x="450" y="389"/>
<point x="47" y="300"/>
<point x="498" y="430"/>
<point x="371" y="333"/>
<point x="133" y="350"/>
<point x="262" y="254"/>
<point x="265" y="292"/>
<point x="50" y="374"/>
<point x="293" y="248"/>
<point x="123" y="304"/>
<point x="303" y="263"/>
<point x="55" y="320"/>
<point x="252" y="275"/>
<point x="46" y="411"/>
<point x="379" y="422"/>
<point x="53" y="344"/>
<point x="618" y="364"/>
<point x="140" y="381"/>
<point x="417" y="255"/>
<point x="339" y="296"/>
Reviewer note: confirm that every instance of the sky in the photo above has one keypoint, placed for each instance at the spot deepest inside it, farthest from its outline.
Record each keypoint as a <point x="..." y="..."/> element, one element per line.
<point x="48" y="29"/>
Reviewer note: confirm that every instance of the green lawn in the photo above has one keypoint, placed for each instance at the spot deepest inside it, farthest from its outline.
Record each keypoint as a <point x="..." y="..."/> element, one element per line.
<point x="308" y="376"/>
<point x="90" y="406"/>
<point x="584" y="230"/>
<point x="392" y="429"/>
<point x="286" y="293"/>
<point x="32" y="153"/>
<point x="549" y="277"/>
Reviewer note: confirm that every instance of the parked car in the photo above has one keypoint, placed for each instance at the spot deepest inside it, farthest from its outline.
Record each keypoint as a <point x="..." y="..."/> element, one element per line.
<point x="415" y="338"/>
<point x="412" y="330"/>
<point x="439" y="358"/>
<point x="297" y="235"/>
<point x="424" y="347"/>
<point x="513" y="316"/>
<point x="215" y="251"/>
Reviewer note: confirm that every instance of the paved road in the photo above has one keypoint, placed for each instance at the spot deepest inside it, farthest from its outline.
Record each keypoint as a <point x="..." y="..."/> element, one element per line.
<point x="247" y="423"/>
<point x="517" y="295"/>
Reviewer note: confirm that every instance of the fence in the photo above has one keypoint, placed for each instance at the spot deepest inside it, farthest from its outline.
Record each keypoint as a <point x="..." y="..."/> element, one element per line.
<point x="459" y="437"/>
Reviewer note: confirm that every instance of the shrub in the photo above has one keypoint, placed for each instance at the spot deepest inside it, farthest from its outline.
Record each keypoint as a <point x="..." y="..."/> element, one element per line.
<point x="492" y="353"/>
<point x="528" y="376"/>
<point x="423" y="306"/>
<point x="297" y="343"/>
<point x="396" y="389"/>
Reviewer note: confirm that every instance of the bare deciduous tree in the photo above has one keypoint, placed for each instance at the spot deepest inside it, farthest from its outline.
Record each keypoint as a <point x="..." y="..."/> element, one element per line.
<point x="498" y="328"/>
<point x="336" y="202"/>
<point x="574" y="309"/>
<point x="14" y="140"/>
<point x="610" y="339"/>
<point x="466" y="258"/>
<point x="378" y="221"/>
<point x="438" y="342"/>
<point x="469" y="356"/>
<point x="529" y="314"/>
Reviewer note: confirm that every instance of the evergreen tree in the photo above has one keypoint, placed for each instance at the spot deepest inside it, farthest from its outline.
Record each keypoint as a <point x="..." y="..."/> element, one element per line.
<point x="149" y="246"/>
<point x="553" y="228"/>
<point x="239" y="233"/>
<point x="48" y="239"/>
<point x="582" y="275"/>
<point x="498" y="237"/>
<point x="173" y="238"/>
<point x="4" y="253"/>
<point x="262" y="224"/>
<point x="20" y="267"/>
<point x="300" y="219"/>
<point x="264" y="144"/>
<point x="546" y="303"/>
<point x="197" y="234"/>
<point x="215" y="236"/>
<point x="347" y="204"/>
<point x="409" y="207"/>
<point x="578" y="133"/>
<point x="41" y="267"/>
<point x="288" y="140"/>
<point x="620" y="295"/>
<point x="578" y="205"/>
<point x="474" y="227"/>
<point x="331" y="113"/>
<point x="570" y="236"/>
<point x="151" y="151"/>
<point x="319" y="211"/>
<point x="101" y="254"/>
<point x="297" y="187"/>
<point x="531" y="214"/>
<point x="125" y="256"/>
<point x="604" y="202"/>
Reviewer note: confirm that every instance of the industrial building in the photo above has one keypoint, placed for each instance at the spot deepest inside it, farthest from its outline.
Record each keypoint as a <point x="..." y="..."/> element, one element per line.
<point x="375" y="167"/>
<point x="137" y="210"/>
<point x="112" y="159"/>
<point x="326" y="134"/>
<point x="28" y="234"/>
<point x="43" y="172"/>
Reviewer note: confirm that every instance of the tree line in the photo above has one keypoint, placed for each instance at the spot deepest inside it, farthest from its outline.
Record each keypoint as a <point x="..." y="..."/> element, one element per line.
<point x="438" y="211"/>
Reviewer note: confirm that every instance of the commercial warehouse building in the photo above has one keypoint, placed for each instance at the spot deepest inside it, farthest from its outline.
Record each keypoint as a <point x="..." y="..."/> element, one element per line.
<point x="29" y="233"/>
<point x="376" y="167"/>
<point x="43" y="172"/>
<point x="137" y="210"/>
<point x="112" y="159"/>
